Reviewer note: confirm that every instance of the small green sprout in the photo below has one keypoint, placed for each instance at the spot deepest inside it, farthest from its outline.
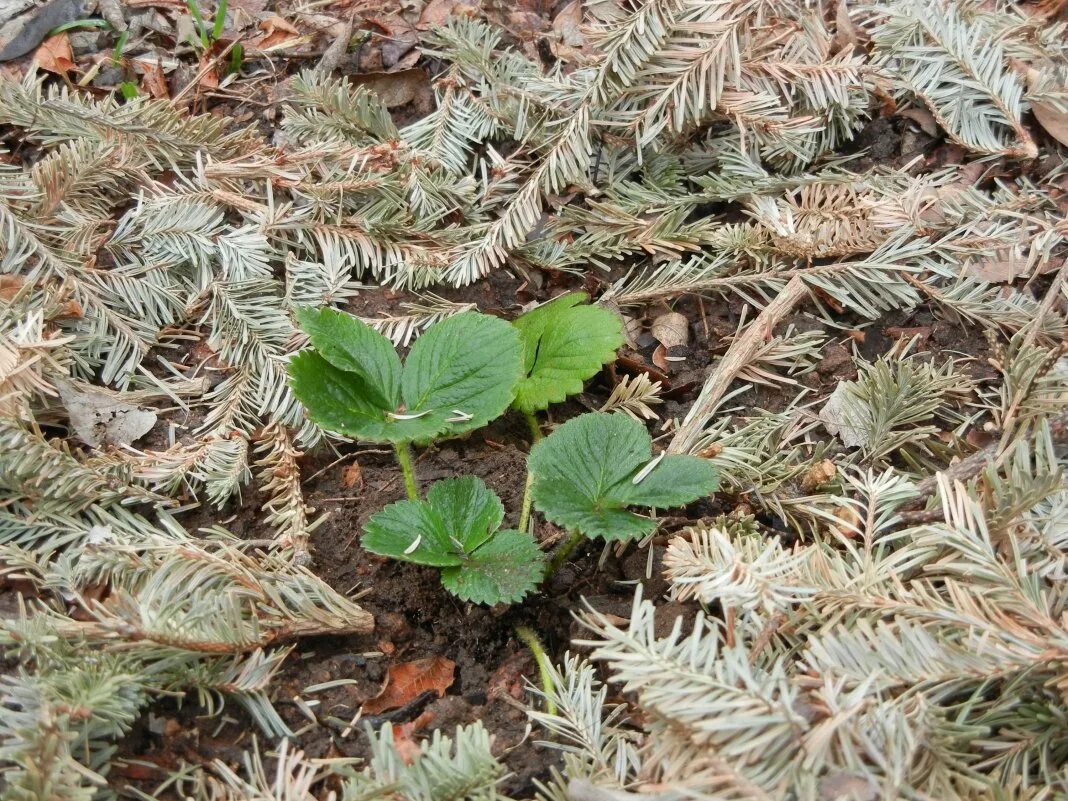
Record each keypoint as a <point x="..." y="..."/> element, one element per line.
<point x="205" y="35"/>
<point x="456" y="529"/>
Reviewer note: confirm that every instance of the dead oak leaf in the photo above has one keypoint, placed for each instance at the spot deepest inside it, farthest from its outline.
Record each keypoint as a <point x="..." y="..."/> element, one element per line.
<point x="408" y="680"/>
<point x="277" y="33"/>
<point x="54" y="54"/>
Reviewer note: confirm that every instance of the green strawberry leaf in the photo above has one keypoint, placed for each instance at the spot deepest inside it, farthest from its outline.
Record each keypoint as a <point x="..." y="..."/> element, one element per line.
<point x="502" y="571"/>
<point x="455" y="528"/>
<point x="564" y="344"/>
<point x="459" y="375"/>
<point x="344" y="403"/>
<point x="353" y="347"/>
<point x="458" y="515"/>
<point x="467" y="364"/>
<point x="584" y="477"/>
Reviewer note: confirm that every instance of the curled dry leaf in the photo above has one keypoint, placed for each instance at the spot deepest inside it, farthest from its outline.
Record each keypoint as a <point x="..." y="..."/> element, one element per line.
<point x="408" y="680"/>
<point x="659" y="358"/>
<point x="922" y="117"/>
<point x="1051" y="115"/>
<point x="1053" y="119"/>
<point x="671" y="329"/>
<point x="55" y="55"/>
<point x="277" y="33"/>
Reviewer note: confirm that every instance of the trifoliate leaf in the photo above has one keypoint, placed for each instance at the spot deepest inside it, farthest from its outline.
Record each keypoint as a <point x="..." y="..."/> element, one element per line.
<point x="502" y="571"/>
<point x="564" y="344"/>
<point x="459" y="375"/>
<point x="455" y="528"/>
<point x="585" y="476"/>
<point x="458" y="515"/>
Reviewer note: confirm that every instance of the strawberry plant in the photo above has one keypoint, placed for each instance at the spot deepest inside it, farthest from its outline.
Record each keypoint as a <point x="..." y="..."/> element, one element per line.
<point x="588" y="471"/>
<point x="456" y="529"/>
<point x="459" y="375"/>
<point x="565" y="342"/>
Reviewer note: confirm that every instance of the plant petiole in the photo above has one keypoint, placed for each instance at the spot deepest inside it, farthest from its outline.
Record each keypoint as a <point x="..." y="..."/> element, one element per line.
<point x="548" y="686"/>
<point x="535" y="436"/>
<point x="404" y="459"/>
<point x="563" y="552"/>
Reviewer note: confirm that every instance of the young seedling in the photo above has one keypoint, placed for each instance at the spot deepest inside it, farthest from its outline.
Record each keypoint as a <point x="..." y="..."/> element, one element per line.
<point x="588" y="471"/>
<point x="564" y="344"/>
<point x="456" y="529"/>
<point x="459" y="375"/>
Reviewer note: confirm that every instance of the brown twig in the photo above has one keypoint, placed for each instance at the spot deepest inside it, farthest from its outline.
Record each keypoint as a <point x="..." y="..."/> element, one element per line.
<point x="193" y="84"/>
<point x="1047" y="304"/>
<point x="331" y="59"/>
<point x="740" y="353"/>
<point x="968" y="468"/>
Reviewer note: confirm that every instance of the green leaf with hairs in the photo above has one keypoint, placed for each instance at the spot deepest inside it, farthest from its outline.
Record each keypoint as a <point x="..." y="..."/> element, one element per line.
<point x="459" y="375"/>
<point x="565" y="343"/>
<point x="588" y="471"/>
<point x="456" y="528"/>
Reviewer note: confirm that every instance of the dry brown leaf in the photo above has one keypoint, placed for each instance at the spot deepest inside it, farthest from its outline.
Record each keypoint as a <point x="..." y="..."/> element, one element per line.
<point x="352" y="476"/>
<point x="922" y="117"/>
<point x="403" y="737"/>
<point x="846" y="36"/>
<point x="568" y="29"/>
<point x="409" y="680"/>
<point x="632" y="329"/>
<point x="10" y="286"/>
<point x="437" y="12"/>
<point x="818" y="475"/>
<point x="277" y="32"/>
<point x="659" y="358"/>
<point x="209" y="76"/>
<point x="919" y="332"/>
<point x="998" y="268"/>
<point x="394" y="88"/>
<point x="100" y="417"/>
<point x="155" y="82"/>
<point x="671" y="329"/>
<point x="54" y="54"/>
<point x="508" y="679"/>
<point x="1052" y="119"/>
